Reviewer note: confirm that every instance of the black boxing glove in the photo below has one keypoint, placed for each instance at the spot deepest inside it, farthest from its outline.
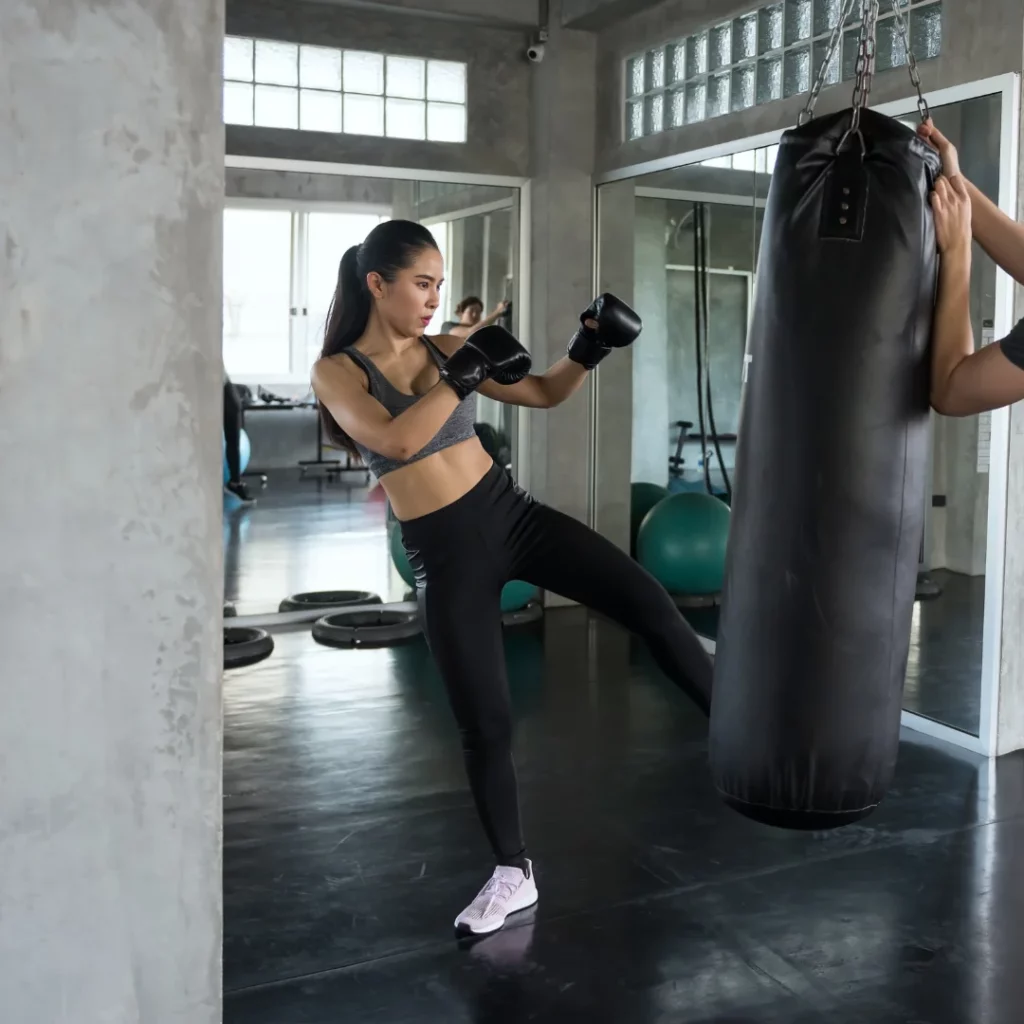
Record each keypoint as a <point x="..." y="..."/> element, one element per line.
<point x="617" y="327"/>
<point x="488" y="354"/>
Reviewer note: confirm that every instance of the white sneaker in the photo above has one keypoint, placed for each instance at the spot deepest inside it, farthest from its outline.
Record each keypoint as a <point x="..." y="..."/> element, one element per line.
<point x="508" y="891"/>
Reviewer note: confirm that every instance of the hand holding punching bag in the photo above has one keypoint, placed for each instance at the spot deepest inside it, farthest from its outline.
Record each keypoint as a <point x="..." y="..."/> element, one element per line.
<point x="829" y="499"/>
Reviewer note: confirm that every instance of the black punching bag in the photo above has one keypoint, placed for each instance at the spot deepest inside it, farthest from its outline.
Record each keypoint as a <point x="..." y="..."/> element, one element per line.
<point x="828" y="510"/>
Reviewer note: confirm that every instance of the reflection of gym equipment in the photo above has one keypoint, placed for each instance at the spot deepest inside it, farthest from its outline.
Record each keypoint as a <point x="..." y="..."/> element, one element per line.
<point x="244" y="645"/>
<point x="244" y="454"/>
<point x="519" y="600"/>
<point x="327" y="599"/>
<point x="382" y="628"/>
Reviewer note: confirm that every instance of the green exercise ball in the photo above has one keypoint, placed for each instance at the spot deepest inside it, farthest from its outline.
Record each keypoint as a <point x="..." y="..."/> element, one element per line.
<point x="682" y="543"/>
<point x="642" y="498"/>
<point x="515" y="595"/>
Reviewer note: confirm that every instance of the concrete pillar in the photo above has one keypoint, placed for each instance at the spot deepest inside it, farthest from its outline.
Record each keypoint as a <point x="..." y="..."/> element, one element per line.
<point x="403" y="200"/>
<point x="111" y="186"/>
<point x="651" y="377"/>
<point x="613" y="413"/>
<point x="561" y="269"/>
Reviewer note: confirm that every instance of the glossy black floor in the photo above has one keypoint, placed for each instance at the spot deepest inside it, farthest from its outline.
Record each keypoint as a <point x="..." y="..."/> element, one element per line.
<point x="350" y="845"/>
<point x="946" y="638"/>
<point x="303" y="533"/>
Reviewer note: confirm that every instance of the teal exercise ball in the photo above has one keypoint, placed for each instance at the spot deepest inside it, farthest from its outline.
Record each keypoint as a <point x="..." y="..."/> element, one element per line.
<point x="682" y="543"/>
<point x="244" y="453"/>
<point x="516" y="595"/>
<point x="642" y="498"/>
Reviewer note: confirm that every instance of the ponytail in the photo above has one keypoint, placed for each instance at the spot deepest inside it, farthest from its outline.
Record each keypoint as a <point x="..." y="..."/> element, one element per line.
<point x="390" y="247"/>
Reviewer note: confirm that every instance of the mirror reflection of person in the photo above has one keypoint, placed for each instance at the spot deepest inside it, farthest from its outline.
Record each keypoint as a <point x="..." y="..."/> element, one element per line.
<point x="470" y="312"/>
<point x="965" y="381"/>
<point x="234" y="418"/>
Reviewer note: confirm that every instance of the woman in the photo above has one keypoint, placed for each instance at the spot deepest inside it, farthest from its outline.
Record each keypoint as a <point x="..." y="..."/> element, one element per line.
<point x="470" y="312"/>
<point x="405" y="403"/>
<point x="965" y="382"/>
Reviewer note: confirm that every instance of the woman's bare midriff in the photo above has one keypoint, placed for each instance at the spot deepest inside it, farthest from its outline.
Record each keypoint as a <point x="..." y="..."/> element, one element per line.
<point x="436" y="481"/>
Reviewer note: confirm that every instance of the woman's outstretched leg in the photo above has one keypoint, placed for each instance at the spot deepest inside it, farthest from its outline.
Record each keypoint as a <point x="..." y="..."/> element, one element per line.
<point x="561" y="554"/>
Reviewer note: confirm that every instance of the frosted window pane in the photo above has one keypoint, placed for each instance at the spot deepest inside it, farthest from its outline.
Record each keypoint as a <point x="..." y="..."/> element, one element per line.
<point x="696" y="100"/>
<point x="851" y="47"/>
<point x="769" y="79"/>
<point x="798" y="20"/>
<point x="655" y="69"/>
<point x="720" y="47"/>
<point x="364" y="115"/>
<point x="654" y="114"/>
<point x="320" y="68"/>
<point x="770" y="31"/>
<point x="237" y="103"/>
<point x="407" y="77"/>
<point x="277" y="107"/>
<point x="635" y="120"/>
<point x="826" y="15"/>
<point x="277" y="63"/>
<point x="238" y="59"/>
<point x="744" y="38"/>
<point x="697" y="55"/>
<point x="832" y="76"/>
<point x="635" y="76"/>
<point x="364" y="72"/>
<point x="406" y="119"/>
<point x="718" y="95"/>
<point x="926" y="31"/>
<point x="797" y="76"/>
<point x="446" y="122"/>
<point x="677" y="108"/>
<point x="675" y="57"/>
<point x="319" y="111"/>
<point x="446" y="81"/>
<point x="889" y="49"/>
<point x="744" y="83"/>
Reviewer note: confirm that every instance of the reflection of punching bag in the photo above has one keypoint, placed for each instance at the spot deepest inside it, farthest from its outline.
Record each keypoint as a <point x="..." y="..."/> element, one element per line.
<point x="830" y="478"/>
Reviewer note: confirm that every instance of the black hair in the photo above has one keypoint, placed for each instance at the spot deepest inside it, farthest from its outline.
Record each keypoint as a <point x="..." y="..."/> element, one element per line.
<point x="392" y="246"/>
<point x="469" y="300"/>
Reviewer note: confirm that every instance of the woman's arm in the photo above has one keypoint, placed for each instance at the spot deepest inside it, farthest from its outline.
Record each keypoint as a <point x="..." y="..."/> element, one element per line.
<point x="365" y="420"/>
<point x="464" y="330"/>
<point x="536" y="390"/>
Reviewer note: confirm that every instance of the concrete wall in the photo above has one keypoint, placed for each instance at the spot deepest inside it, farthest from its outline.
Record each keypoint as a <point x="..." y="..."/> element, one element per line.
<point x="520" y="13"/>
<point x="498" y="82"/>
<point x="980" y="38"/>
<point x="111" y="185"/>
<point x="298" y="186"/>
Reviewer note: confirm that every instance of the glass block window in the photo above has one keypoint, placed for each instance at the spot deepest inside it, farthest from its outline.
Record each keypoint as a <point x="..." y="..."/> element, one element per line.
<point x="274" y="84"/>
<point x="770" y="53"/>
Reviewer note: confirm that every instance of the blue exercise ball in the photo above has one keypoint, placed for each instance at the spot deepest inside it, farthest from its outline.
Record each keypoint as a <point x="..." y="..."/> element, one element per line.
<point x="244" y="452"/>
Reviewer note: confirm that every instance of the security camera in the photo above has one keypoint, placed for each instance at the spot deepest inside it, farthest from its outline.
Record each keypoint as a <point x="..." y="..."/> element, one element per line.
<point x="535" y="53"/>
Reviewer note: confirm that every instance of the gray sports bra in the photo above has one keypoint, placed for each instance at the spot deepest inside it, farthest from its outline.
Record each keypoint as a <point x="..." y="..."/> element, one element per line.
<point x="457" y="428"/>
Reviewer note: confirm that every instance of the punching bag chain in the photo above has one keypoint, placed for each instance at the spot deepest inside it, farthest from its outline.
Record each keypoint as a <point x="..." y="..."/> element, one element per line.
<point x="915" y="74"/>
<point x="865" y="68"/>
<point x="842" y="18"/>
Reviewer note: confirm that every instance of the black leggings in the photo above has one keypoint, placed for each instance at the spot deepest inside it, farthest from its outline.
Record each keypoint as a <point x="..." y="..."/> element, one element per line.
<point x="462" y="555"/>
<point x="233" y="431"/>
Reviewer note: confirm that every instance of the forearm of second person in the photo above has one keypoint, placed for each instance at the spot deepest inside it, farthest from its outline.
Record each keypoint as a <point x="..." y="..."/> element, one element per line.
<point x="1001" y="237"/>
<point x="952" y="333"/>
